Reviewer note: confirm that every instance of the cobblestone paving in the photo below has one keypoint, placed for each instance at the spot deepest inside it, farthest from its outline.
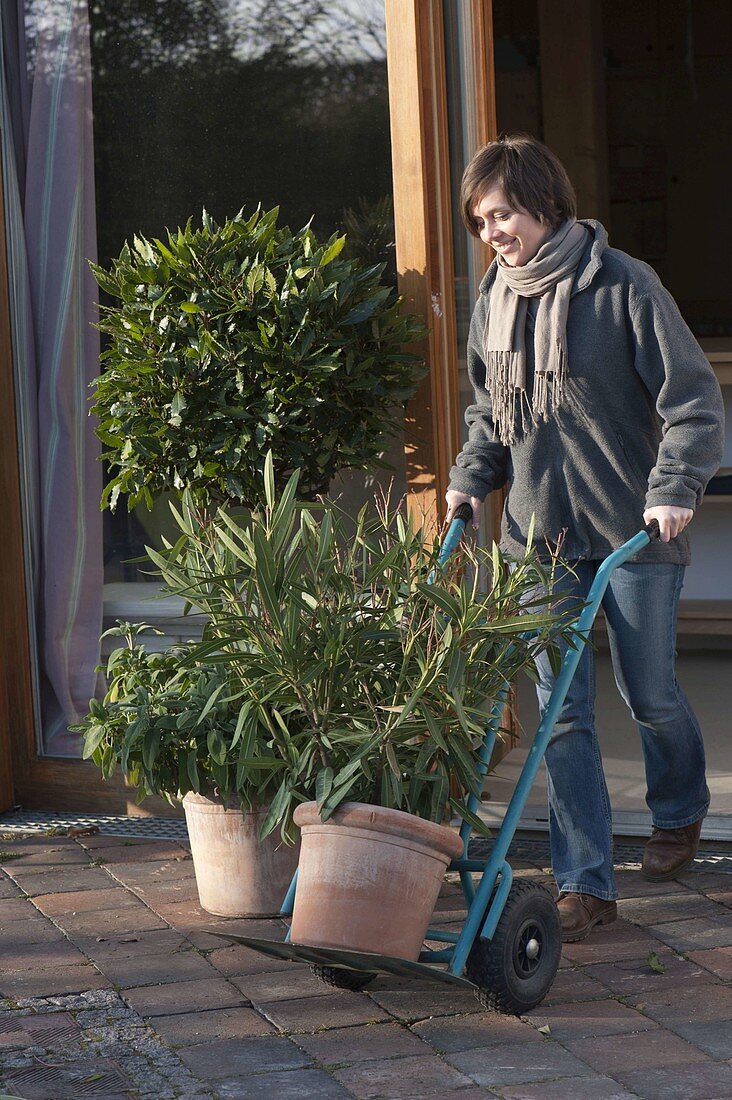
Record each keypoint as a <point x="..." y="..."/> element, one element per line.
<point x="112" y="987"/>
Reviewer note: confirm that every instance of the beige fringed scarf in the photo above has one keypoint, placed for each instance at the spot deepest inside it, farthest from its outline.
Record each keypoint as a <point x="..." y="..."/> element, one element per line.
<point x="549" y="276"/>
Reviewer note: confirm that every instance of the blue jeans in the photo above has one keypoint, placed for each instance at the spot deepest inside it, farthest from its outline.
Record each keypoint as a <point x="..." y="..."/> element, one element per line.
<point x="640" y="607"/>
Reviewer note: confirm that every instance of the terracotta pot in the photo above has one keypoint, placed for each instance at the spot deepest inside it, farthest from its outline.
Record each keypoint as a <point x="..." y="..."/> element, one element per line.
<point x="369" y="878"/>
<point x="237" y="874"/>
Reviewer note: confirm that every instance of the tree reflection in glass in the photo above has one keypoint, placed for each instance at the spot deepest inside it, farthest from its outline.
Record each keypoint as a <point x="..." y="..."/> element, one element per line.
<point x="231" y="103"/>
<point x="236" y="102"/>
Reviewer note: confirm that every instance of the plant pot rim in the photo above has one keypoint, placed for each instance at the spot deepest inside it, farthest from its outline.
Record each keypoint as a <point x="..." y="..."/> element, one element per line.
<point x="202" y="803"/>
<point x="382" y="819"/>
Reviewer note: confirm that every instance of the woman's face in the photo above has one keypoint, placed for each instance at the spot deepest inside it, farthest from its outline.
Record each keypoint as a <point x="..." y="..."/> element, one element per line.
<point x="515" y="234"/>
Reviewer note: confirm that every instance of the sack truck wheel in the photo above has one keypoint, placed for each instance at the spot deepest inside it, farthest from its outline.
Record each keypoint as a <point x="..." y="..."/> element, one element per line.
<point x="514" y="971"/>
<point x="340" y="978"/>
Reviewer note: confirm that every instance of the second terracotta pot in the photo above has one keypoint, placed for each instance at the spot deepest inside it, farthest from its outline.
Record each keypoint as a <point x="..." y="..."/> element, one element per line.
<point x="369" y="878"/>
<point x="237" y="874"/>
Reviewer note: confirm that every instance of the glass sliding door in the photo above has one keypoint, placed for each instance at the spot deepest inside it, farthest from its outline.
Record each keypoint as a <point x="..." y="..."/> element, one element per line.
<point x="471" y="115"/>
<point x="175" y="107"/>
<point x="228" y="106"/>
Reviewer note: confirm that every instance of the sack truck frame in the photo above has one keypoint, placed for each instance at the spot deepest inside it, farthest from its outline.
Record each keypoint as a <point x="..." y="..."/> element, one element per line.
<point x="509" y="947"/>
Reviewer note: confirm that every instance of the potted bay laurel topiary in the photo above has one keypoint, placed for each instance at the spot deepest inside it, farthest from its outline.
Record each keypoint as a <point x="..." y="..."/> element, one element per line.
<point x="391" y="662"/>
<point x="226" y="341"/>
<point x="181" y="727"/>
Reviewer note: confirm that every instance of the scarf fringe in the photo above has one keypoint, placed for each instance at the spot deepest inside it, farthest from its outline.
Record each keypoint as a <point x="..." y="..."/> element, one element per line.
<point x="549" y="383"/>
<point x="506" y="371"/>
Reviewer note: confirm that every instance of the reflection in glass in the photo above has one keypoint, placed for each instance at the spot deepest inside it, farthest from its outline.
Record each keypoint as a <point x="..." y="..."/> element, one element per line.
<point x="231" y="104"/>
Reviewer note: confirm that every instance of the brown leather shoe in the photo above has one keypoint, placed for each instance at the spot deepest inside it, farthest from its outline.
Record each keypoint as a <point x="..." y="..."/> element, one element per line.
<point x="670" y="851"/>
<point x="581" y="912"/>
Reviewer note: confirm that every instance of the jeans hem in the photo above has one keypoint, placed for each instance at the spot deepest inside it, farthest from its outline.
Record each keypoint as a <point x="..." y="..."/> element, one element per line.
<point x="578" y="888"/>
<point x="698" y="816"/>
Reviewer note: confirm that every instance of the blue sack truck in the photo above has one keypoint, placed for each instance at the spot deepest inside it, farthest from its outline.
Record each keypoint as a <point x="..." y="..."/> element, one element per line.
<point x="509" y="947"/>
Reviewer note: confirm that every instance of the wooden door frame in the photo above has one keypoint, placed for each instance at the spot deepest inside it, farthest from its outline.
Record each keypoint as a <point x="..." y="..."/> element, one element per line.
<point x="424" y="242"/>
<point x="424" y="248"/>
<point x="423" y="226"/>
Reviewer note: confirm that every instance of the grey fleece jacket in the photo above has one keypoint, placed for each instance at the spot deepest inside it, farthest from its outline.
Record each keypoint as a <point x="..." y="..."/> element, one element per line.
<point x="641" y="422"/>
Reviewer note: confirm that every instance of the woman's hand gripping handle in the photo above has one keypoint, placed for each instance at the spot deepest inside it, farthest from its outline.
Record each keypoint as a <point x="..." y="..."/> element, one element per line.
<point x="455" y="500"/>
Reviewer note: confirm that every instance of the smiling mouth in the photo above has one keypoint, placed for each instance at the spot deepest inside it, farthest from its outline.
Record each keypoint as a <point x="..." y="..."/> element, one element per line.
<point x="504" y="244"/>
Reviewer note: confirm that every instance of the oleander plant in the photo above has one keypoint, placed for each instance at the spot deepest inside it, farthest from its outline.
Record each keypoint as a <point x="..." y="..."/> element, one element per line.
<point x="372" y="666"/>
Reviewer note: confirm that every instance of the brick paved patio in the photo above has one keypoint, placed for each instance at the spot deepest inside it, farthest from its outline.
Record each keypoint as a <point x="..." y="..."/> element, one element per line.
<point x="111" y="988"/>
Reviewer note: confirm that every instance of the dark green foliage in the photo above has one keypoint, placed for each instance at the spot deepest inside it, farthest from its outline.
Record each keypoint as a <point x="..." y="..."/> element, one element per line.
<point x="370" y="233"/>
<point x="376" y="684"/>
<point x="175" y="724"/>
<point x="234" y="339"/>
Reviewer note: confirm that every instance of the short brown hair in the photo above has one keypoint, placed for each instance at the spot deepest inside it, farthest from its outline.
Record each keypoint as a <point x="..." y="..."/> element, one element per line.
<point x="529" y="174"/>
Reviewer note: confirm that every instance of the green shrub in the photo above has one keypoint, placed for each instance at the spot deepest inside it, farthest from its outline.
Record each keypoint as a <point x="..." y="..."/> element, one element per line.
<point x="230" y="340"/>
<point x="174" y="723"/>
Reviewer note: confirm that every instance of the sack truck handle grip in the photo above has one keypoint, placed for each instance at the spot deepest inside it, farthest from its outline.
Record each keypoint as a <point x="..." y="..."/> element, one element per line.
<point x="460" y="519"/>
<point x="464" y="512"/>
<point x="652" y="530"/>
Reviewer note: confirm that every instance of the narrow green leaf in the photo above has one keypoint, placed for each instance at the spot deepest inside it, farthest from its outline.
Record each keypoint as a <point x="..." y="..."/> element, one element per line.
<point x="269" y="481"/>
<point x="93" y="739"/>
<point x="456" y="670"/>
<point x="462" y="811"/>
<point x="193" y="772"/>
<point x="151" y="748"/>
<point x="323" y="786"/>
<point x="276" y="810"/>
<point x="391" y="757"/>
<point x="211" y="702"/>
<point x="241" y="721"/>
<point x="436" y="595"/>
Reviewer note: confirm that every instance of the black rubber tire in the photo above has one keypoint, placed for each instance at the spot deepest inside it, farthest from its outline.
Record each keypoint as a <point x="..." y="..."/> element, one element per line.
<point x="507" y="979"/>
<point x="340" y="978"/>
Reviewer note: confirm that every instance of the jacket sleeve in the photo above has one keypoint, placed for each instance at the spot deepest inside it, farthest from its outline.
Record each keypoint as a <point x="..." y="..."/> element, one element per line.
<point x="688" y="400"/>
<point x="482" y="464"/>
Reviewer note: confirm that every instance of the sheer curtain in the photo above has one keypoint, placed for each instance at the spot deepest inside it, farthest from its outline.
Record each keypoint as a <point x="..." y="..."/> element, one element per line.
<point x="48" y="168"/>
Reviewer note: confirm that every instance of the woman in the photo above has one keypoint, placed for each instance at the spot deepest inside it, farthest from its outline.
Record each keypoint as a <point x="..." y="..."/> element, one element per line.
<point x="594" y="402"/>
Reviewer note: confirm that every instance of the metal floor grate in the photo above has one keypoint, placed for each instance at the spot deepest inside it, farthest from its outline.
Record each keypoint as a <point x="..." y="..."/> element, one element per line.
<point x="95" y="1079"/>
<point x="52" y="1029"/>
<point x="532" y="850"/>
<point x="40" y="821"/>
